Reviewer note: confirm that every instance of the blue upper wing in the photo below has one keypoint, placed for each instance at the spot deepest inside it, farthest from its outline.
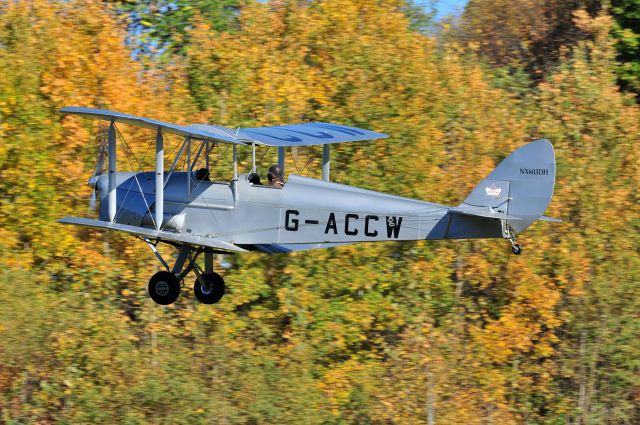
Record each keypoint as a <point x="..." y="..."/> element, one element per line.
<point x="314" y="133"/>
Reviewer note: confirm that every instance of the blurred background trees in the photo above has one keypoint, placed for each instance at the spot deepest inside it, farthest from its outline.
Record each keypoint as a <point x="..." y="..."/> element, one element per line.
<point x="535" y="34"/>
<point x="161" y="27"/>
<point x="528" y="34"/>
<point x="626" y="31"/>
<point x="406" y="333"/>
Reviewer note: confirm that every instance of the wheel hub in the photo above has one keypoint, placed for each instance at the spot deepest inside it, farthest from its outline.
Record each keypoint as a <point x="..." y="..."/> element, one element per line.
<point x="162" y="288"/>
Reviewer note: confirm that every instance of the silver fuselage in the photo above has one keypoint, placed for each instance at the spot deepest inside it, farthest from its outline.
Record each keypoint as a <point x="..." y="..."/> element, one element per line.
<point x="304" y="211"/>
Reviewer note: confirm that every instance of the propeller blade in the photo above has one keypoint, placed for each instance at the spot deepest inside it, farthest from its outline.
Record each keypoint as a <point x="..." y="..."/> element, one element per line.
<point x="93" y="180"/>
<point x="92" y="200"/>
<point x="102" y="152"/>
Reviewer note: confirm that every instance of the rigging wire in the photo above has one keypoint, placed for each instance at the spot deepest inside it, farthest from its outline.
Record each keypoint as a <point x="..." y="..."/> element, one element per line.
<point x="263" y="155"/>
<point x="294" y="161"/>
<point x="136" y="179"/>
<point x="311" y="157"/>
<point x="130" y="150"/>
<point x="212" y="165"/>
<point x="203" y="199"/>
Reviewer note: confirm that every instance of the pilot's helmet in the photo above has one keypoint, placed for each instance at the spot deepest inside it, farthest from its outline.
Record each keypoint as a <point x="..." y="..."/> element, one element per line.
<point x="202" y="174"/>
<point x="274" y="173"/>
<point x="254" y="178"/>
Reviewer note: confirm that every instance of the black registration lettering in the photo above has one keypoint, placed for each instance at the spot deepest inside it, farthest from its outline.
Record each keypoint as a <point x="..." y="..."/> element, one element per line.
<point x="291" y="224"/>
<point x="535" y="171"/>
<point x="367" y="230"/>
<point x="331" y="224"/>
<point x="347" y="230"/>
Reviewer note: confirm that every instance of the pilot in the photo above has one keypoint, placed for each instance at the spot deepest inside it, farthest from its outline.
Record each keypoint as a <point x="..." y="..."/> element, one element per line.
<point x="254" y="179"/>
<point x="203" y="175"/>
<point x="275" y="177"/>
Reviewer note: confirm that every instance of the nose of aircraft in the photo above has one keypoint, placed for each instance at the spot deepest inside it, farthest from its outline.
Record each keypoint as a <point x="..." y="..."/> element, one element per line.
<point x="93" y="183"/>
<point x="97" y="172"/>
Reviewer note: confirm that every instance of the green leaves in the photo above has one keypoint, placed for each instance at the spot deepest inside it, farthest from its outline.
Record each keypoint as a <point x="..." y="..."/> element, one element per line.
<point x="626" y="32"/>
<point x="161" y="27"/>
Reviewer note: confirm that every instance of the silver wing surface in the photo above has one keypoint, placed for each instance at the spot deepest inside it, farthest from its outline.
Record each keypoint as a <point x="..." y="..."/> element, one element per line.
<point x="209" y="132"/>
<point x="153" y="234"/>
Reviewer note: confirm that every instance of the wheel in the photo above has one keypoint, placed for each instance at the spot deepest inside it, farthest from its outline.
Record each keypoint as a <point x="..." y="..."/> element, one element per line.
<point x="516" y="249"/>
<point x="164" y="288"/>
<point x="213" y="291"/>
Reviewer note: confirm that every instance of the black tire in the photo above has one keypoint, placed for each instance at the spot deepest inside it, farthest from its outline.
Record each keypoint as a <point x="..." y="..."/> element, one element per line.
<point x="164" y="288"/>
<point x="516" y="249"/>
<point x="215" y="291"/>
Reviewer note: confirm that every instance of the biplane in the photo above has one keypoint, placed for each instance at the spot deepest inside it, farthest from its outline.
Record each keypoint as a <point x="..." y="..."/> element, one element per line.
<point x="198" y="216"/>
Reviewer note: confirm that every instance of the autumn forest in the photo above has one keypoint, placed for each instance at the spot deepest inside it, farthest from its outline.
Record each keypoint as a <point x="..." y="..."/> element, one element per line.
<point x="448" y="332"/>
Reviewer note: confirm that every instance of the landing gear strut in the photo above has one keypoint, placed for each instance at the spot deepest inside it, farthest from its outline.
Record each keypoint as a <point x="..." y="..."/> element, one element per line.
<point x="164" y="286"/>
<point x="509" y="234"/>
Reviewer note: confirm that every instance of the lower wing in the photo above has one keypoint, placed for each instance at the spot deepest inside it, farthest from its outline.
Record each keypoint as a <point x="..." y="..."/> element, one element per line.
<point x="154" y="234"/>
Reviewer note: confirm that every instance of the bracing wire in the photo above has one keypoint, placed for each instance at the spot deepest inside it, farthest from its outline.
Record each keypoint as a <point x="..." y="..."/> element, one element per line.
<point x="263" y="155"/>
<point x="294" y="161"/>
<point x="130" y="150"/>
<point x="311" y="157"/>
<point x="124" y="142"/>
<point x="213" y="164"/>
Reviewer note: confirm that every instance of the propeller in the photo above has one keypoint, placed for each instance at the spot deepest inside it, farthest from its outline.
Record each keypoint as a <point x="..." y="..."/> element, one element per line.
<point x="97" y="172"/>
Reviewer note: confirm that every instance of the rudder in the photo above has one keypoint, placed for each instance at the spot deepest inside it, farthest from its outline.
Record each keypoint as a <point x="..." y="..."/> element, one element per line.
<point x="521" y="186"/>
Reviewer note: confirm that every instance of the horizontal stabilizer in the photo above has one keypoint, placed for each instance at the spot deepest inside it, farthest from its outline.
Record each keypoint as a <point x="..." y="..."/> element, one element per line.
<point x="154" y="234"/>
<point x="551" y="219"/>
<point x="482" y="212"/>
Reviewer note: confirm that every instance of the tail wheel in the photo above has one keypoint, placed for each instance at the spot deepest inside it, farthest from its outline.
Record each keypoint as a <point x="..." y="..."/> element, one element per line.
<point x="164" y="288"/>
<point x="516" y="249"/>
<point x="213" y="289"/>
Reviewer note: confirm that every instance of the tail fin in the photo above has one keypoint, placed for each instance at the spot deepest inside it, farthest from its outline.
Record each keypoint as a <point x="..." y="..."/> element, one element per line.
<point x="521" y="186"/>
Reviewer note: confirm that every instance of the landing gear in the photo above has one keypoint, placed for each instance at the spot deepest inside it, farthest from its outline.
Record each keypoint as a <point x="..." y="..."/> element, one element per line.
<point x="509" y="234"/>
<point x="516" y="249"/>
<point x="164" y="288"/>
<point x="210" y="290"/>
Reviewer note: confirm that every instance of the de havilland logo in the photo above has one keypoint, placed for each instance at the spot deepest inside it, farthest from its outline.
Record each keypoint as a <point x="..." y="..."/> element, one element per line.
<point x="535" y="171"/>
<point x="493" y="190"/>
